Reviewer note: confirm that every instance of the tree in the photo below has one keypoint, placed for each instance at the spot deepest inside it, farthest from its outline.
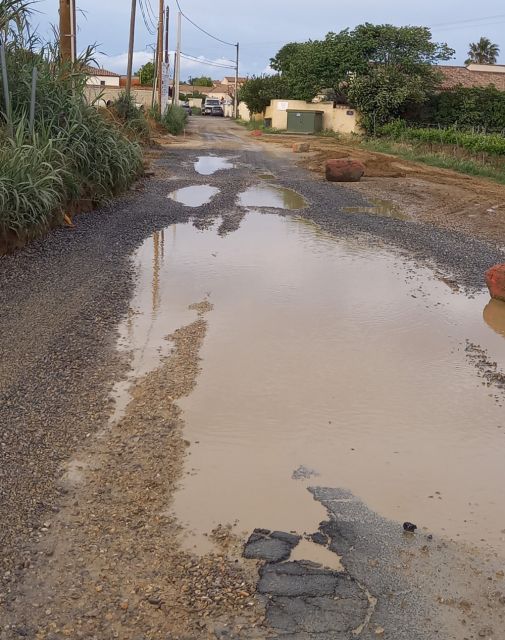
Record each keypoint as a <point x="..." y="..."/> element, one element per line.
<point x="202" y="81"/>
<point x="377" y="67"/>
<point x="483" y="52"/>
<point x="258" y="91"/>
<point x="146" y="74"/>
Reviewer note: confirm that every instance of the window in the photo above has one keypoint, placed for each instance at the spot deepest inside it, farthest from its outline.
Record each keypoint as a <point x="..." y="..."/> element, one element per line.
<point x="102" y="82"/>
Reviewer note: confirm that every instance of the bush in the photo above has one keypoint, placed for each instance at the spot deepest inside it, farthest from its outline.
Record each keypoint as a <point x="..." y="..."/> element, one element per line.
<point x="174" y="120"/>
<point x="132" y="117"/>
<point x="480" y="108"/>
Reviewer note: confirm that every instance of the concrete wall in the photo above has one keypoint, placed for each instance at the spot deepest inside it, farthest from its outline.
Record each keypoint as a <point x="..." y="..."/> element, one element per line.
<point x="140" y="95"/>
<point x="341" y="119"/>
<point x="111" y="81"/>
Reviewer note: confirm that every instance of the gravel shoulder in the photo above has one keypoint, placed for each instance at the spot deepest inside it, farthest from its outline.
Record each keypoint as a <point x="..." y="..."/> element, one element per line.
<point x="88" y="542"/>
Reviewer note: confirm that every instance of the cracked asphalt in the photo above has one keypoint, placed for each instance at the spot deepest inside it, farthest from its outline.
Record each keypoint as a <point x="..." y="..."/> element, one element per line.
<point x="61" y="300"/>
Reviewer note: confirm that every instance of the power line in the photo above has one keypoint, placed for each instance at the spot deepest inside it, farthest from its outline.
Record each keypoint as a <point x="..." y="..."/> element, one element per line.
<point x="206" y="62"/>
<point x="471" y="20"/>
<point x="148" y="26"/>
<point x="150" y="11"/>
<point x="230" y="44"/>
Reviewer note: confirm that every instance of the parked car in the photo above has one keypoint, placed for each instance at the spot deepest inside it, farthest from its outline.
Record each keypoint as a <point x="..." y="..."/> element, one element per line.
<point x="213" y="107"/>
<point x="187" y="108"/>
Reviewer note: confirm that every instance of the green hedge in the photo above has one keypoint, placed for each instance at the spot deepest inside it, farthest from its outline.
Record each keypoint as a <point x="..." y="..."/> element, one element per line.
<point x="492" y="144"/>
<point x="481" y="108"/>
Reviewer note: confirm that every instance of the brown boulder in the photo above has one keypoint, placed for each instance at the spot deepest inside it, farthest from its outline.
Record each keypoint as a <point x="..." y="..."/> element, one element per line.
<point x="495" y="280"/>
<point x="344" y="170"/>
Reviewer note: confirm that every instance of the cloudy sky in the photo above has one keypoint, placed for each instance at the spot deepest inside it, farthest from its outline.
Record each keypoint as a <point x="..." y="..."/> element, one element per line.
<point x="263" y="26"/>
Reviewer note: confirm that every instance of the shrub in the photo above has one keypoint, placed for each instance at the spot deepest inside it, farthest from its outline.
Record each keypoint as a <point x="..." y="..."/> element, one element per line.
<point x="174" y="120"/>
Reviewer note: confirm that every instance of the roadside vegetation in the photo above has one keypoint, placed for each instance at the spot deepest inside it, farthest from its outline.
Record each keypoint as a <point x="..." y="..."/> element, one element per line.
<point x="63" y="152"/>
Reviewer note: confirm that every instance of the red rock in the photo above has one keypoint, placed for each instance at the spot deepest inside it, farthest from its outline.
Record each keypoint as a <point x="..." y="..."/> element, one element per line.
<point x="256" y="133"/>
<point x="344" y="170"/>
<point x="495" y="280"/>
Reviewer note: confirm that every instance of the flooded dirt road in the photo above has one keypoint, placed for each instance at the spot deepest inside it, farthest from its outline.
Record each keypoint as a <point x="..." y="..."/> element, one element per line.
<point x="296" y="383"/>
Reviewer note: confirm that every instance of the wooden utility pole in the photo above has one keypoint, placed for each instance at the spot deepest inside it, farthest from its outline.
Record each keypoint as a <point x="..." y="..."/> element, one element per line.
<point x="66" y="46"/>
<point x="160" y="53"/>
<point x="177" y="71"/>
<point x="131" y="45"/>
<point x="235" y="102"/>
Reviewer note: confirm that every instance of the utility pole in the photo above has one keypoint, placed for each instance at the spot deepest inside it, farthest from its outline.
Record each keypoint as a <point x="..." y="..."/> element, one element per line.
<point x="73" y="30"/>
<point x="167" y="22"/>
<point x="65" y="31"/>
<point x="235" y="110"/>
<point x="160" y="54"/>
<point x="177" y="72"/>
<point x="131" y="45"/>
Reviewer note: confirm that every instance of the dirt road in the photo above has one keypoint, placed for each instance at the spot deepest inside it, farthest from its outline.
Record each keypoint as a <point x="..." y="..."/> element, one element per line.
<point x="222" y="397"/>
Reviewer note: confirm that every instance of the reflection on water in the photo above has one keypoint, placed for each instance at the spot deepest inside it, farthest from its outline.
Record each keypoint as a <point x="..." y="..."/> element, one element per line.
<point x="208" y="165"/>
<point x="332" y="355"/>
<point x="494" y="315"/>
<point x="271" y="196"/>
<point x="194" y="196"/>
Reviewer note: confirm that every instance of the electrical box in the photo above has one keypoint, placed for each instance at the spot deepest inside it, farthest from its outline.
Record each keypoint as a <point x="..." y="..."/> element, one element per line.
<point x="305" y="121"/>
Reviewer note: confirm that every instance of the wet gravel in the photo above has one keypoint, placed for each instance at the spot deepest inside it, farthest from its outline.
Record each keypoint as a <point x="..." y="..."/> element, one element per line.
<point x="62" y="298"/>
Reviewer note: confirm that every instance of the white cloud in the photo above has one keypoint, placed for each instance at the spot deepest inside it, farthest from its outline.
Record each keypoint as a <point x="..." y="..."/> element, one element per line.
<point x="119" y="63"/>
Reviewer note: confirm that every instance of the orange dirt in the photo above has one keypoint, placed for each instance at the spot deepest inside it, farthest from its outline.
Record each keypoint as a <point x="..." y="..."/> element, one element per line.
<point x="428" y="194"/>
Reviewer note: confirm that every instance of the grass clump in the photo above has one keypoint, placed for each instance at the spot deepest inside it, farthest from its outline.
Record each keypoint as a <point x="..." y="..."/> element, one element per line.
<point x="174" y="120"/>
<point x="71" y="151"/>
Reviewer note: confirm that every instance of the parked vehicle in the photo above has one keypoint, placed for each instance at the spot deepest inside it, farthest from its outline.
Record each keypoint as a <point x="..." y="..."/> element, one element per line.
<point x="187" y="108"/>
<point x="213" y="107"/>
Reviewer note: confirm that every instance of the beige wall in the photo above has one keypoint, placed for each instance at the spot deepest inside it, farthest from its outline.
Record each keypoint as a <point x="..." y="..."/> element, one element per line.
<point x="111" y="81"/>
<point x="334" y="118"/>
<point x="141" y="96"/>
<point x="243" y="112"/>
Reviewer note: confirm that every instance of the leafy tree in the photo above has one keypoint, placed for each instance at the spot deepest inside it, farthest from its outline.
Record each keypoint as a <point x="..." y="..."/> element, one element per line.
<point x="202" y="81"/>
<point x="146" y="74"/>
<point x="483" y="52"/>
<point x="258" y="91"/>
<point x="377" y="67"/>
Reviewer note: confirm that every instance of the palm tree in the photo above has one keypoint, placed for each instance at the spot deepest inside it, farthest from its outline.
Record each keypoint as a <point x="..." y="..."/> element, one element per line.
<point x="483" y="52"/>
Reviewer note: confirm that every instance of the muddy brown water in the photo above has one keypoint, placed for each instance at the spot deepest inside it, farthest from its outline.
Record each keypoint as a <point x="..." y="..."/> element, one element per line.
<point x="271" y="196"/>
<point x="326" y="353"/>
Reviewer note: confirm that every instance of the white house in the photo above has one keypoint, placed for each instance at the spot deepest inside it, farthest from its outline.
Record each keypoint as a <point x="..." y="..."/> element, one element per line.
<point x="102" y="78"/>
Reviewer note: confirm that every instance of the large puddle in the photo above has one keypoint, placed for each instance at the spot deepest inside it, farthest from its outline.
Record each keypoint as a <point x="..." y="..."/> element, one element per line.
<point x="271" y="196"/>
<point x="208" y="165"/>
<point x="324" y="357"/>
<point x="195" y="195"/>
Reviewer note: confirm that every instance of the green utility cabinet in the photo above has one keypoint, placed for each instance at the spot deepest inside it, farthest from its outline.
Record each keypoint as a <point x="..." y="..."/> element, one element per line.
<point x="305" y="121"/>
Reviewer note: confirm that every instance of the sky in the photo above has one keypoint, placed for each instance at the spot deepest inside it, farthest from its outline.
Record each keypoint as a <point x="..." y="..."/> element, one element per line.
<point x="263" y="26"/>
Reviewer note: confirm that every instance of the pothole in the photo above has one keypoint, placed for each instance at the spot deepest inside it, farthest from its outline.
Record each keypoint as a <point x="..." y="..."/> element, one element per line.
<point x="317" y="553"/>
<point x="208" y="165"/>
<point x="272" y="197"/>
<point x="194" y="196"/>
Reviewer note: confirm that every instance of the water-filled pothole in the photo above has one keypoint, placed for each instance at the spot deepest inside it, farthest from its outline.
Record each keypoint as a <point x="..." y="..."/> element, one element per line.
<point x="271" y="196"/>
<point x="382" y="208"/>
<point x="195" y="195"/>
<point x="208" y="165"/>
<point x="333" y="355"/>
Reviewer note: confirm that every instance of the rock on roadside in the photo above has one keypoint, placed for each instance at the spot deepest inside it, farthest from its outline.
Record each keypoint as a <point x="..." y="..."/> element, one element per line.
<point x="495" y="280"/>
<point x="344" y="170"/>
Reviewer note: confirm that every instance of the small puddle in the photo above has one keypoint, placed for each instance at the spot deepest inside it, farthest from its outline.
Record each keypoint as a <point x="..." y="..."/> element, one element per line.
<point x="208" y="165"/>
<point x="308" y="550"/>
<point x="380" y="207"/>
<point x="323" y="355"/>
<point x="271" y="196"/>
<point x="194" y="196"/>
<point x="266" y="176"/>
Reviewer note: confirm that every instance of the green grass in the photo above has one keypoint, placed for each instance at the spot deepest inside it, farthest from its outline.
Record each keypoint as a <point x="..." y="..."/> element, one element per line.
<point x="442" y="160"/>
<point x="174" y="120"/>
